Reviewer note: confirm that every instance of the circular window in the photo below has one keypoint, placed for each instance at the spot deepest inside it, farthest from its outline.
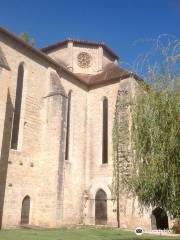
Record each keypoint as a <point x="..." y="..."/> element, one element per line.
<point x="84" y="60"/>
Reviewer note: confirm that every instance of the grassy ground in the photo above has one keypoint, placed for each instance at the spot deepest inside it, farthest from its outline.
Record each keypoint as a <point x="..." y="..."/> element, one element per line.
<point x="76" y="234"/>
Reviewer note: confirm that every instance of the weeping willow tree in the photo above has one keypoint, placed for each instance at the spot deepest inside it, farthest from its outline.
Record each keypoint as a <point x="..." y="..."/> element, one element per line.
<point x="154" y="176"/>
<point x="156" y="136"/>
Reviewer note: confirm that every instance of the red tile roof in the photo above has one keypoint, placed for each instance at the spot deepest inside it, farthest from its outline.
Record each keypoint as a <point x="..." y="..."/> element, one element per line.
<point x="110" y="72"/>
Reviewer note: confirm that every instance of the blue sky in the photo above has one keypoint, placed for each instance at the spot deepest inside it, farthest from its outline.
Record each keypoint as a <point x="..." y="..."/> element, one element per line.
<point x="118" y="23"/>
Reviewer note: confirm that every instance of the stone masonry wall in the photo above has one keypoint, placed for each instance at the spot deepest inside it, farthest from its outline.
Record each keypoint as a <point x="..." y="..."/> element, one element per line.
<point x="23" y="164"/>
<point x="34" y="169"/>
<point x="5" y="132"/>
<point x="98" y="175"/>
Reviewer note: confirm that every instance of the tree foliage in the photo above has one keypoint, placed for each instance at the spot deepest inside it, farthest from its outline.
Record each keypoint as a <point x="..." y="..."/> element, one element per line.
<point x="25" y="36"/>
<point x="156" y="137"/>
<point x="155" y="171"/>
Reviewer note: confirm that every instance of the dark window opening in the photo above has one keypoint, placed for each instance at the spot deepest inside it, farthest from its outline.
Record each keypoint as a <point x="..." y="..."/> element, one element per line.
<point x="17" y="108"/>
<point x="105" y="132"/>
<point x="68" y="126"/>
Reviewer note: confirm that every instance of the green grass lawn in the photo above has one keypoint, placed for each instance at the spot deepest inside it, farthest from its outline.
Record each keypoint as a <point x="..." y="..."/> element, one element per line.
<point x="87" y="233"/>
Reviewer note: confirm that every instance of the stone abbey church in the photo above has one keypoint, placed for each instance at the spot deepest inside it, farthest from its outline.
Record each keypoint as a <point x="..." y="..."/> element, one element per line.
<point x="57" y="108"/>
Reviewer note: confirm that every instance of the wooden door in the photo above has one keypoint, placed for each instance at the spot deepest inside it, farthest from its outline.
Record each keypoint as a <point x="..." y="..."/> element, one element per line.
<point x="25" y="210"/>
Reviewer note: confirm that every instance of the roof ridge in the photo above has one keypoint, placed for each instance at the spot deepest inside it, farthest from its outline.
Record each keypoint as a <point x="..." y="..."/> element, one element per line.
<point x="118" y="75"/>
<point x="76" y="41"/>
<point x="37" y="51"/>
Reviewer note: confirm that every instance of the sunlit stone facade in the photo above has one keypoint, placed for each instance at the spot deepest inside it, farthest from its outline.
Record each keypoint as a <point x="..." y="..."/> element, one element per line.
<point x="56" y="175"/>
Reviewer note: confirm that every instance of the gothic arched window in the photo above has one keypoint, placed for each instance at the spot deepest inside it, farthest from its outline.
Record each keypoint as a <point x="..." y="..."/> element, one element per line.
<point x="17" y="108"/>
<point x="105" y="132"/>
<point x="68" y="126"/>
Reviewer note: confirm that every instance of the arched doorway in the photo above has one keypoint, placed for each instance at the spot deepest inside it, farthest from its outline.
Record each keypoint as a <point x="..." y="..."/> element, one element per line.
<point x="25" y="210"/>
<point x="159" y="219"/>
<point x="101" y="208"/>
